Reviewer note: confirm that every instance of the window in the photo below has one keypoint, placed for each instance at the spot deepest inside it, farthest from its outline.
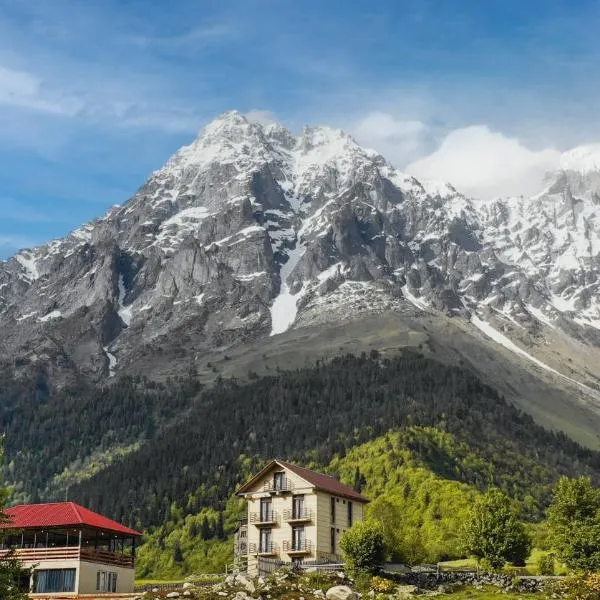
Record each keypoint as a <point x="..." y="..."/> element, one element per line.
<point x="298" y="507"/>
<point x="265" y="540"/>
<point x="54" y="581"/>
<point x="298" y="538"/>
<point x="106" y="581"/>
<point x="350" y="515"/>
<point x="333" y="540"/>
<point x="333" y="510"/>
<point x="266" y="513"/>
<point x="279" y="481"/>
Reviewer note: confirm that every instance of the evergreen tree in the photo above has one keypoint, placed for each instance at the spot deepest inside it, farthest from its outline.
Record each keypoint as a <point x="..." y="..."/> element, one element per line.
<point x="177" y="554"/>
<point x="206" y="532"/>
<point x="220" y="528"/>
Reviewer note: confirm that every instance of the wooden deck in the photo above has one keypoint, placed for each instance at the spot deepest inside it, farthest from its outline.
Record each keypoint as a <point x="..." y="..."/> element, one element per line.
<point x="36" y="555"/>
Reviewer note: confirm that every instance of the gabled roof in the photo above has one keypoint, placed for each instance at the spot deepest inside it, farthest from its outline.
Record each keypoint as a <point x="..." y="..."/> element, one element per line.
<point x="61" y="514"/>
<point x="319" y="481"/>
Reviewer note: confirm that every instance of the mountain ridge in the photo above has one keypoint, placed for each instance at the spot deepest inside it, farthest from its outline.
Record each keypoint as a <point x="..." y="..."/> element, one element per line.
<point x="250" y="232"/>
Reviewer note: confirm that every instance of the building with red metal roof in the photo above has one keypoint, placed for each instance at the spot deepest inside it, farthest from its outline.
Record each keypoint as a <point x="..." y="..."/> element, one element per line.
<point x="71" y="549"/>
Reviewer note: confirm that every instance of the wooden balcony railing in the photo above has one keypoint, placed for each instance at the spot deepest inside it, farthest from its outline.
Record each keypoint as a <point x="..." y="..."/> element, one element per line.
<point x="298" y="515"/>
<point x="292" y="547"/>
<point x="269" y="517"/>
<point x="269" y="549"/>
<point x="36" y="555"/>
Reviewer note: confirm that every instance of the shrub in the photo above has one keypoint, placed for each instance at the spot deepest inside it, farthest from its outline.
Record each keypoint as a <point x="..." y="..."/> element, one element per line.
<point x="585" y="586"/>
<point x="363" y="547"/>
<point x="381" y="585"/>
<point x="545" y="564"/>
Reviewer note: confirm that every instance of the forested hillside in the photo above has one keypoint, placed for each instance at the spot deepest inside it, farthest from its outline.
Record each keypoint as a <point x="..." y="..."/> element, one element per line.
<point x="168" y="458"/>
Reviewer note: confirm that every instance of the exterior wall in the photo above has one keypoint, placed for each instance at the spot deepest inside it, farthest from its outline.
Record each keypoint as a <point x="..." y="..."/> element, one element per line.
<point x="317" y="531"/>
<point x="88" y="572"/>
<point x="41" y="565"/>
<point x="85" y="574"/>
<point x="280" y="502"/>
<point x="341" y="523"/>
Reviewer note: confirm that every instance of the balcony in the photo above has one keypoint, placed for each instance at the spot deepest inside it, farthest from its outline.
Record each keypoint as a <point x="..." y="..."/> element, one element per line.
<point x="281" y="486"/>
<point x="268" y="517"/>
<point x="266" y="549"/>
<point x="298" y="515"/>
<point x="31" y="556"/>
<point x="298" y="548"/>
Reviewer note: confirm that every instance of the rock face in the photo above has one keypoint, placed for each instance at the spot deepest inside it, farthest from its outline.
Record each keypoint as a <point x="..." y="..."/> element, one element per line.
<point x="250" y="231"/>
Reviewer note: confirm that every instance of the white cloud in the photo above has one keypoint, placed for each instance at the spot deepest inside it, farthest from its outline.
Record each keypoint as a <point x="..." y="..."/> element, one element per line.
<point x="198" y="35"/>
<point x="262" y="117"/>
<point x="396" y="139"/>
<point x="486" y="164"/>
<point x="26" y="90"/>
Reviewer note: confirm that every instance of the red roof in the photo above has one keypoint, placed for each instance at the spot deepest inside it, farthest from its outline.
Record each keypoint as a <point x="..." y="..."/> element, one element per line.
<point x="322" y="482"/>
<point x="61" y="514"/>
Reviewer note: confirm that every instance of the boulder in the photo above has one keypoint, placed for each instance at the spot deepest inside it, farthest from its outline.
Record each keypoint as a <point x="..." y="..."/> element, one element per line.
<point x="173" y="595"/>
<point x="245" y="581"/>
<point x="341" y="592"/>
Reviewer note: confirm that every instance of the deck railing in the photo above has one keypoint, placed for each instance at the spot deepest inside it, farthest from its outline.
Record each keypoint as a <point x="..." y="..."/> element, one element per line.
<point x="280" y="486"/>
<point x="298" y="514"/>
<point x="36" y="555"/>
<point x="295" y="547"/>
<point x="264" y="548"/>
<point x="264" y="516"/>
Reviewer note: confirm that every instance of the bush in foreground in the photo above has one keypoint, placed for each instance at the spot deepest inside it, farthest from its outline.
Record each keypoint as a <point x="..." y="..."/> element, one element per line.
<point x="363" y="547"/>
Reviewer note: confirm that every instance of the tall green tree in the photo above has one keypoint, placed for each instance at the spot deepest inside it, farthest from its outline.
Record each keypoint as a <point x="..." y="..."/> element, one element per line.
<point x="574" y="521"/>
<point x="494" y="532"/>
<point x="11" y="571"/>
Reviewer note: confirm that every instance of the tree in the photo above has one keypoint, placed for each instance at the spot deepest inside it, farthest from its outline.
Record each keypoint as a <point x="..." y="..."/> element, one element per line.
<point x="495" y="533"/>
<point x="177" y="554"/>
<point x="363" y="547"/>
<point x="574" y="521"/>
<point x="11" y="571"/>
<point x="206" y="532"/>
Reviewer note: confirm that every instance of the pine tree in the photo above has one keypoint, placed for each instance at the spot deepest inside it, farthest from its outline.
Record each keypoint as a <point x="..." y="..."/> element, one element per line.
<point x="220" y="529"/>
<point x="205" y="531"/>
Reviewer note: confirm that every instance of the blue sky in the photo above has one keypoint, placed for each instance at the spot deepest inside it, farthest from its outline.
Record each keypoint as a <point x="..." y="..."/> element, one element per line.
<point x="95" y="95"/>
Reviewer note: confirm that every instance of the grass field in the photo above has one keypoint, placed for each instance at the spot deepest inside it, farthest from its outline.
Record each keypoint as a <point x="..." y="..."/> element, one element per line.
<point x="530" y="568"/>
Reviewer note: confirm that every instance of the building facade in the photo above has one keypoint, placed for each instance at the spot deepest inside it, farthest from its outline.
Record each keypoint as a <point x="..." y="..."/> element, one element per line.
<point x="297" y="515"/>
<point x="72" y="550"/>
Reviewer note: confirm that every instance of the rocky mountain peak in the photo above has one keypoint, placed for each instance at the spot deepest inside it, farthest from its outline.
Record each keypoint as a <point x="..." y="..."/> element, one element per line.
<point x="250" y="231"/>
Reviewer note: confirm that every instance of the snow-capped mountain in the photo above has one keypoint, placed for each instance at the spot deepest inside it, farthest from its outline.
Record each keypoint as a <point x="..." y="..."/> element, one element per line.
<point x="251" y="231"/>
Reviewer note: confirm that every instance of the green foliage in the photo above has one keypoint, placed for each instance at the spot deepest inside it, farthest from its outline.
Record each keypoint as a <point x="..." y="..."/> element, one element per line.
<point x="183" y="450"/>
<point x="574" y="521"/>
<point x="10" y="570"/>
<point x="179" y="546"/>
<point x="421" y="513"/>
<point x="363" y="547"/>
<point x="546" y="564"/>
<point x="494" y="533"/>
<point x="583" y="586"/>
